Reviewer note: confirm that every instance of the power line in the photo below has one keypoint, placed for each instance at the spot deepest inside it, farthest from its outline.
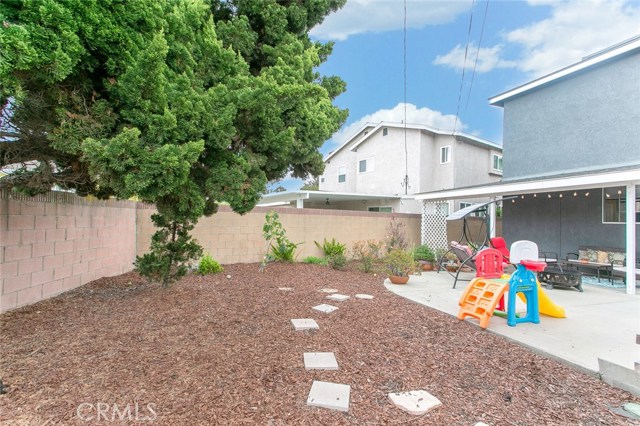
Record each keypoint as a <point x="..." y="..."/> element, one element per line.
<point x="473" y="74"/>
<point x="464" y="66"/>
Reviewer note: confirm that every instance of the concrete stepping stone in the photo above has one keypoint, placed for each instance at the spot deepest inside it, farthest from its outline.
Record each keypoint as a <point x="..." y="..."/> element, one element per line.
<point x="320" y="361"/>
<point x="481" y="424"/>
<point x="415" y="402"/>
<point x="364" y="296"/>
<point x="333" y="396"/>
<point x="327" y="309"/>
<point x="304" y="324"/>
<point x="328" y="290"/>
<point x="285" y="288"/>
<point x="338" y="297"/>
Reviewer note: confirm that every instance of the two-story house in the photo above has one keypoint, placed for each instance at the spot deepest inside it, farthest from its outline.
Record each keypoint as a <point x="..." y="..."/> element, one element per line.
<point x="383" y="165"/>
<point x="572" y="150"/>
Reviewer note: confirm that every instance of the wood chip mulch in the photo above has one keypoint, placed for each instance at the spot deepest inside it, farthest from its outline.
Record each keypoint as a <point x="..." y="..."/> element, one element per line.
<point x="222" y="351"/>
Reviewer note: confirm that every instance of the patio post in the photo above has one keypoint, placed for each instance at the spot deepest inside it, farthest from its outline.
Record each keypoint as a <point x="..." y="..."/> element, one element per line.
<point x="299" y="203"/>
<point x="492" y="218"/>
<point x="631" y="238"/>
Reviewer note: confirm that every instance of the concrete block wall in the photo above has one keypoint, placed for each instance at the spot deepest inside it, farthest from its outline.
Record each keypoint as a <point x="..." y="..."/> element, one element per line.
<point x="58" y="241"/>
<point x="231" y="238"/>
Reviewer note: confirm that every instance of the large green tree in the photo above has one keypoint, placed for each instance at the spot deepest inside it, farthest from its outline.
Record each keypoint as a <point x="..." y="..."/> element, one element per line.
<point x="181" y="103"/>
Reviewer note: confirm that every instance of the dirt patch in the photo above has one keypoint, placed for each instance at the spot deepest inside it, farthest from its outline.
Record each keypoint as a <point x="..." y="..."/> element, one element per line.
<point x="217" y="350"/>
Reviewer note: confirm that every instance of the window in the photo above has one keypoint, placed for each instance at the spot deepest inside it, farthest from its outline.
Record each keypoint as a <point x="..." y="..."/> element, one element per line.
<point x="464" y="204"/>
<point x="380" y="209"/>
<point x="445" y="154"/>
<point x="366" y="165"/>
<point x="496" y="163"/>
<point x="385" y="131"/>
<point x="321" y="179"/>
<point x="614" y="204"/>
<point x="342" y="174"/>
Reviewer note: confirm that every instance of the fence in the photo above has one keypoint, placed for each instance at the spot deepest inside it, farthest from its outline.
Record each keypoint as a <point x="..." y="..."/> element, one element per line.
<point x="58" y="241"/>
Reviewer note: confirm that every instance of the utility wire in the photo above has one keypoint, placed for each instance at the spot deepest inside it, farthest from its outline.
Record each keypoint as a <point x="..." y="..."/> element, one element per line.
<point x="473" y="74"/>
<point x="464" y="66"/>
<point x="404" y="70"/>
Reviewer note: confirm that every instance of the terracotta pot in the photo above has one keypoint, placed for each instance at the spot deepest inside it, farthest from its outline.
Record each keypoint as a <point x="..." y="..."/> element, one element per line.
<point x="398" y="280"/>
<point x="427" y="266"/>
<point x="451" y="268"/>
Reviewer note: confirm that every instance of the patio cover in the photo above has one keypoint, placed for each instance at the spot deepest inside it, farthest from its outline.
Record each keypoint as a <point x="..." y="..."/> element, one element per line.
<point x="628" y="177"/>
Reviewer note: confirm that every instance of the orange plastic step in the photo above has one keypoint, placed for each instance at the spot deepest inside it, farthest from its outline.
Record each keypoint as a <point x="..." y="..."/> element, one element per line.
<point x="480" y="298"/>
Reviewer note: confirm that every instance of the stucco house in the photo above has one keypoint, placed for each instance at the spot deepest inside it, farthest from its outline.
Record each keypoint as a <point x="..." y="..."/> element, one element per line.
<point x="383" y="165"/>
<point x="572" y="150"/>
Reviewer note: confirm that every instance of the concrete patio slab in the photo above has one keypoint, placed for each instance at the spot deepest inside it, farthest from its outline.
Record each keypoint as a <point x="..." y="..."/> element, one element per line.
<point x="415" y="402"/>
<point x="328" y="290"/>
<point x="320" y="361"/>
<point x="338" y="297"/>
<point x="333" y="396"/>
<point x="327" y="309"/>
<point x="601" y="323"/>
<point x="304" y="324"/>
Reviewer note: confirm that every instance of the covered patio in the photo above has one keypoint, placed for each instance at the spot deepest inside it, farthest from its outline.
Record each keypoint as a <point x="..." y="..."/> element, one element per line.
<point x="559" y="212"/>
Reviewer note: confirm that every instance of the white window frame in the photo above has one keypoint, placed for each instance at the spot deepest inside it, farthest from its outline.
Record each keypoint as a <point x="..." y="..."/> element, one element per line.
<point x="369" y="165"/>
<point x="619" y="194"/>
<point x="493" y="163"/>
<point x="373" y="209"/>
<point x="385" y="131"/>
<point x="342" y="171"/>
<point x="447" y="149"/>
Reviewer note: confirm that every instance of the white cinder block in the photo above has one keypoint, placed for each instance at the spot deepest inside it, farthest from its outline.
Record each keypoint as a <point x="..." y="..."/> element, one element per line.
<point x="327" y="309"/>
<point x="338" y="297"/>
<point x="329" y="290"/>
<point x="415" y="402"/>
<point x="364" y="296"/>
<point x="304" y="324"/>
<point x="333" y="396"/>
<point x="320" y="361"/>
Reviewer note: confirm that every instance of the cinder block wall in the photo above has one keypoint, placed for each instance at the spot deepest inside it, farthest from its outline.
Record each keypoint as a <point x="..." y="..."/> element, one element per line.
<point x="231" y="238"/>
<point x="58" y="241"/>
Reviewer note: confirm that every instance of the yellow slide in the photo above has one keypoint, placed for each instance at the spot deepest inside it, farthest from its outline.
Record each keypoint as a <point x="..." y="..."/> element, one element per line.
<point x="546" y="306"/>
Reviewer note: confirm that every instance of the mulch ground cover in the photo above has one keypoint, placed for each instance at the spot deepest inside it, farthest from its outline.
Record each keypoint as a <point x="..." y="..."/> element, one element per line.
<point x="214" y="350"/>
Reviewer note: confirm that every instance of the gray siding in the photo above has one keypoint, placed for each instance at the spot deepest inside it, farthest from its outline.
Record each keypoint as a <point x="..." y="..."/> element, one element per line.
<point x="589" y="121"/>
<point x="561" y="224"/>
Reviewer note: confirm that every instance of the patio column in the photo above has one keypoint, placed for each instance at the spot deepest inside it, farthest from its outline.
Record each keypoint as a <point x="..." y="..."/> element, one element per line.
<point x="631" y="238"/>
<point x="492" y="218"/>
<point x="299" y="203"/>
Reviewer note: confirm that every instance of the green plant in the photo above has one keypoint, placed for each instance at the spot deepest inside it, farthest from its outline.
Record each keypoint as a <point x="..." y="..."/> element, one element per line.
<point x="209" y="266"/>
<point x="399" y="262"/>
<point x="330" y="248"/>
<point x="337" y="261"/>
<point x="397" y="238"/>
<point x="424" y="252"/>
<point x="279" y="248"/>
<point x="315" y="260"/>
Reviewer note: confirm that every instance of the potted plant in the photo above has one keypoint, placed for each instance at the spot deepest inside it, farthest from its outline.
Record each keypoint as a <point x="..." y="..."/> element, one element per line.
<point x="424" y="256"/>
<point x="399" y="264"/>
<point x="451" y="262"/>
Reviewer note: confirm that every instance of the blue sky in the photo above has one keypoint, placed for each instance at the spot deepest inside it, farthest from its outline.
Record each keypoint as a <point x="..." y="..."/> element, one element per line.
<point x="519" y="41"/>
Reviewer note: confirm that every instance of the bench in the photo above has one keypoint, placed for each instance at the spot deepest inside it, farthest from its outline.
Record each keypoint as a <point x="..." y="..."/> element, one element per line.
<point x="596" y="261"/>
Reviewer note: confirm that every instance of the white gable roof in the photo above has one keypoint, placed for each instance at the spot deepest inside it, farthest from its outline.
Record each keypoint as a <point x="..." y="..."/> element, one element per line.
<point x="617" y="50"/>
<point x="375" y="127"/>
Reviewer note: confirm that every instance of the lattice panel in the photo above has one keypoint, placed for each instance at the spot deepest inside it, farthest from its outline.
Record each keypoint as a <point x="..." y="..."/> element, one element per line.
<point x="434" y="224"/>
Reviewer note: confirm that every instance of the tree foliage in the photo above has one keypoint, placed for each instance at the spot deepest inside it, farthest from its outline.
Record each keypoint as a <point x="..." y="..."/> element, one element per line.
<point x="183" y="103"/>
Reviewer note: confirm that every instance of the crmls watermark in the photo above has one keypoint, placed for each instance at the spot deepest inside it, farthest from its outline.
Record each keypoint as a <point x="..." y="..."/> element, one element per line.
<point x="101" y="411"/>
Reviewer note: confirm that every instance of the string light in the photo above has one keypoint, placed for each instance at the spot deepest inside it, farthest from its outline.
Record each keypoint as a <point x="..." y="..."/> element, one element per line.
<point x="560" y="195"/>
<point x="575" y="194"/>
<point x="586" y="194"/>
<point x="522" y="196"/>
<point x="549" y="195"/>
<point x="608" y="196"/>
<point x="535" y="195"/>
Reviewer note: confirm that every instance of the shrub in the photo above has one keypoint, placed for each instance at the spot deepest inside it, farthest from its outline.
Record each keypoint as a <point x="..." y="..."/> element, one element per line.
<point x="367" y="252"/>
<point x="315" y="260"/>
<point x="397" y="238"/>
<point x="399" y="262"/>
<point x="331" y="248"/>
<point x="424" y="252"/>
<point x="279" y="248"/>
<point x="337" y="261"/>
<point x="209" y="266"/>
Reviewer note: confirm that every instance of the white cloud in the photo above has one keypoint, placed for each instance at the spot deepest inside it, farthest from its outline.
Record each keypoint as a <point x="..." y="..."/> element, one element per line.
<point x="415" y="115"/>
<point x="363" y="16"/>
<point x="488" y="58"/>
<point x="574" y="29"/>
